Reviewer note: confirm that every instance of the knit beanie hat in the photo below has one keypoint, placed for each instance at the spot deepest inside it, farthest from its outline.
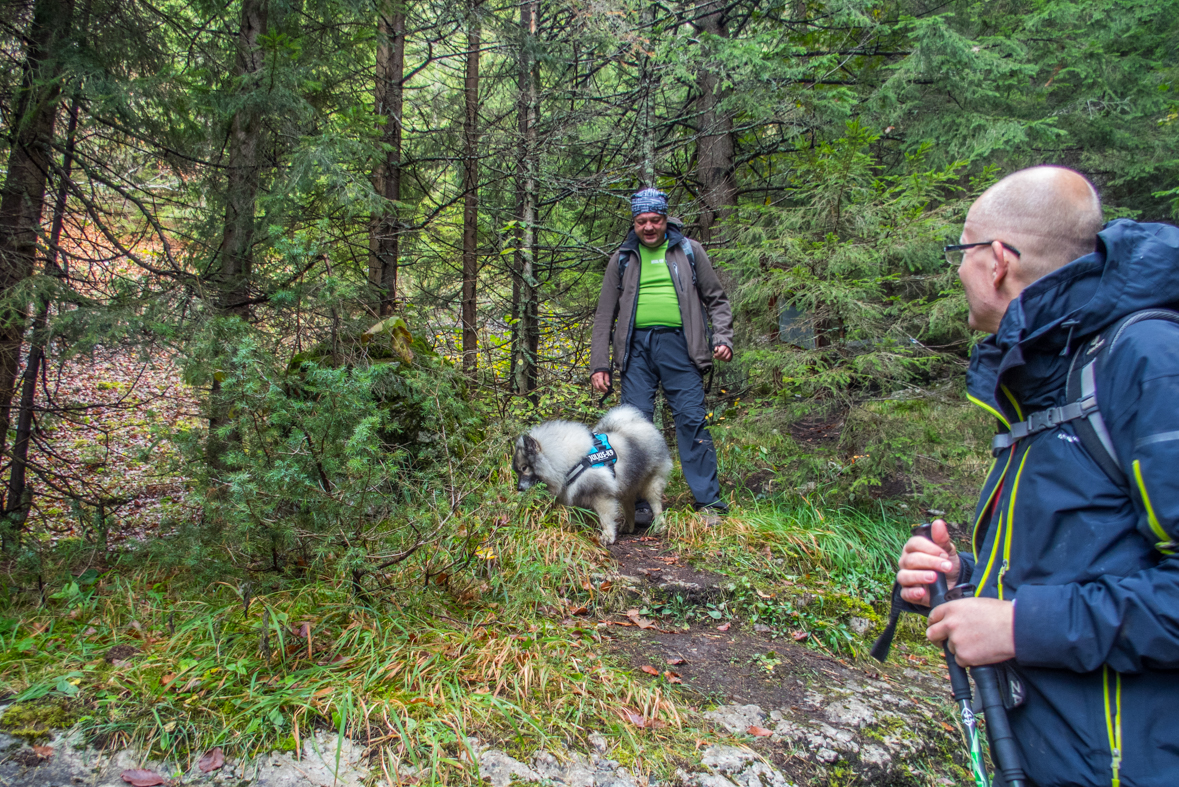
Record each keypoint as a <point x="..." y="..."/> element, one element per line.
<point x="648" y="201"/>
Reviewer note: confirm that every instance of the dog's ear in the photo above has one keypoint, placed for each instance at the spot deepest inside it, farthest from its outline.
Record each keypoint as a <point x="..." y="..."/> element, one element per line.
<point x="531" y="445"/>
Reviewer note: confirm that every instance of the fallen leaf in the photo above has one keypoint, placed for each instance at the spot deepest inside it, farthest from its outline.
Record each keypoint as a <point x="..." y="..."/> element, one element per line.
<point x="605" y="586"/>
<point x="338" y="660"/>
<point x="760" y="732"/>
<point x="44" y="752"/>
<point x="141" y="778"/>
<point x="671" y="677"/>
<point x="723" y="627"/>
<point x="676" y="662"/>
<point x="647" y="668"/>
<point x="948" y="727"/>
<point x="799" y="635"/>
<point x="763" y="595"/>
<point x="639" y="620"/>
<point x="761" y="628"/>
<point x="213" y="759"/>
<point x="579" y="611"/>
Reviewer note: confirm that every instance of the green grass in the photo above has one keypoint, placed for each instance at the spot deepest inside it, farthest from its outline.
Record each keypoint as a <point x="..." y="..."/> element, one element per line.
<point x="474" y="635"/>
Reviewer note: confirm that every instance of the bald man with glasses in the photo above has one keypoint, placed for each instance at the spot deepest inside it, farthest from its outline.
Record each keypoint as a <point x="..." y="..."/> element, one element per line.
<point x="1074" y="565"/>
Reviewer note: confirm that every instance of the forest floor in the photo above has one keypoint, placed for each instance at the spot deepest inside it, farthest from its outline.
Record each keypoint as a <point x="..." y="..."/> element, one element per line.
<point x="767" y="710"/>
<point x="696" y="656"/>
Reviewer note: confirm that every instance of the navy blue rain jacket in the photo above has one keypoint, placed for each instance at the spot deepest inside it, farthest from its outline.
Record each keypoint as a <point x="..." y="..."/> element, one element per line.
<point x="1090" y="565"/>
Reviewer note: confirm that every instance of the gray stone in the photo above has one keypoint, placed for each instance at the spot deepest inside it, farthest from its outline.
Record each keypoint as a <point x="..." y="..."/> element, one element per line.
<point x="575" y="772"/>
<point x="759" y="774"/>
<point x="500" y="769"/>
<point x="706" y="780"/>
<point x="860" y="626"/>
<point x="827" y="756"/>
<point x="737" y="718"/>
<point x="852" y="712"/>
<point x="876" y="755"/>
<point x="727" y="759"/>
<point x="599" y="742"/>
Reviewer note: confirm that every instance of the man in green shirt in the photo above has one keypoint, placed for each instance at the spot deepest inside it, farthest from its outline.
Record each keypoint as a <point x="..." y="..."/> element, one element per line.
<point x="663" y="312"/>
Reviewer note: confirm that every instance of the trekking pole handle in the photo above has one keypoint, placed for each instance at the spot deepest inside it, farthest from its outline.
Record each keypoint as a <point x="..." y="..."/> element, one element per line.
<point x="937" y="591"/>
<point x="959" y="679"/>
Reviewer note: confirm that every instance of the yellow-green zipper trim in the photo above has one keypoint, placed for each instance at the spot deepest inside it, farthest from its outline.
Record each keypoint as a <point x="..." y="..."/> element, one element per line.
<point x="1011" y="522"/>
<point x="991" y="562"/>
<point x="990" y="500"/>
<point x="1011" y="398"/>
<point x="1165" y="541"/>
<point x="990" y="410"/>
<point x="1113" y="724"/>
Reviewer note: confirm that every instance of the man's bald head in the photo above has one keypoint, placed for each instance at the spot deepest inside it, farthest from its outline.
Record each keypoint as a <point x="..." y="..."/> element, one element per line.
<point x="1051" y="214"/>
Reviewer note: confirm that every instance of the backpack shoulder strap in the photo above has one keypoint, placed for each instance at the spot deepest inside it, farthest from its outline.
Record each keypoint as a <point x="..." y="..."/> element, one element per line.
<point x="1082" y="386"/>
<point x="623" y="258"/>
<point x="686" y="245"/>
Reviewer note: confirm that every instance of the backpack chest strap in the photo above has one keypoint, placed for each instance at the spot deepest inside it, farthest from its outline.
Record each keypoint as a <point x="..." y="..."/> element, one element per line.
<point x="1042" y="421"/>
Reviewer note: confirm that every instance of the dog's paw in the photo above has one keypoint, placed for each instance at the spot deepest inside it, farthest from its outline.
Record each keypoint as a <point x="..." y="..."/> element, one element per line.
<point x="606" y="539"/>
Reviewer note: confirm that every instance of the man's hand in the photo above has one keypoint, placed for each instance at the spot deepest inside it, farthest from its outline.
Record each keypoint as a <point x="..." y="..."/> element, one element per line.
<point x="600" y="381"/>
<point x="978" y="630"/>
<point x="921" y="558"/>
<point x="722" y="352"/>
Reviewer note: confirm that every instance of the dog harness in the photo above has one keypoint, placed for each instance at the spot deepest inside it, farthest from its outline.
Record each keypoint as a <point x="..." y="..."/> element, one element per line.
<point x="600" y="455"/>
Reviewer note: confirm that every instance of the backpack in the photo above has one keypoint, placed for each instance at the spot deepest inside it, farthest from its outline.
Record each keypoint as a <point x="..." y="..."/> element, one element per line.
<point x="1081" y="393"/>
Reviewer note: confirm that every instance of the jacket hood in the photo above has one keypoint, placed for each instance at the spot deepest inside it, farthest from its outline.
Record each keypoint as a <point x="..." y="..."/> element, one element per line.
<point x="1135" y="266"/>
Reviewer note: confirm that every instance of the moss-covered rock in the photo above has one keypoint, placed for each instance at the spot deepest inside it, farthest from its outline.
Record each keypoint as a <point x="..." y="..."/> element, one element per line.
<point x="35" y="720"/>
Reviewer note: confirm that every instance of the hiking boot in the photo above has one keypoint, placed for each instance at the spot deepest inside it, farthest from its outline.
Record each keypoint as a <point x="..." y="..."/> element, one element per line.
<point x="644" y="516"/>
<point x="712" y="513"/>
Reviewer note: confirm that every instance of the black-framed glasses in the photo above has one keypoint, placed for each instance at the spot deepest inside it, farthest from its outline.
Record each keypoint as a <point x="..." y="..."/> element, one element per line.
<point x="957" y="251"/>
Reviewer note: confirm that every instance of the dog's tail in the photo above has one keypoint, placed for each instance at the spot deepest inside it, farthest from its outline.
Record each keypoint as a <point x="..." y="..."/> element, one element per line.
<point x="619" y="418"/>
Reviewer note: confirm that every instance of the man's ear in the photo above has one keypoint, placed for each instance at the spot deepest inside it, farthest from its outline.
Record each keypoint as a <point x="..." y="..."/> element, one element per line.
<point x="1001" y="260"/>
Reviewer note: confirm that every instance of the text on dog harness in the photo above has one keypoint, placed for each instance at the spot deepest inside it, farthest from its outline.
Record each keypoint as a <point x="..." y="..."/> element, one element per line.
<point x="600" y="455"/>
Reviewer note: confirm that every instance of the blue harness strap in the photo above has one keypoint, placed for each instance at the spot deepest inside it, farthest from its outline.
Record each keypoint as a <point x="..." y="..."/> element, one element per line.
<point x="600" y="455"/>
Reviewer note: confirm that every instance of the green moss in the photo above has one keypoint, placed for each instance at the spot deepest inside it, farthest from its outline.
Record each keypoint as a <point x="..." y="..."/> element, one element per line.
<point x="34" y="721"/>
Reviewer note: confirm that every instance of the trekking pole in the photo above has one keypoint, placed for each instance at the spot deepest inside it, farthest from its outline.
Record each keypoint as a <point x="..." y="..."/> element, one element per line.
<point x="960" y="681"/>
<point x="1003" y="750"/>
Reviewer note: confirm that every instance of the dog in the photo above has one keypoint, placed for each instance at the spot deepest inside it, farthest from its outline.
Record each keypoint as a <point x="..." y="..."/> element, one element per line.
<point x="624" y="458"/>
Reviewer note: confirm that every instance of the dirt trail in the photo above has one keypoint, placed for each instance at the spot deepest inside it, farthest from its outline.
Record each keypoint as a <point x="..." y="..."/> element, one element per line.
<point x="823" y="720"/>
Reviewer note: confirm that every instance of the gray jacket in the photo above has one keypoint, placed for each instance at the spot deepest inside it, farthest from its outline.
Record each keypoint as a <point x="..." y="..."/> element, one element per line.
<point x="700" y="303"/>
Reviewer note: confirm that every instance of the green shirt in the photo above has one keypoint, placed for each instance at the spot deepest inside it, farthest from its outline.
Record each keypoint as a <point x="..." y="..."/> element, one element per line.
<point x="658" y="304"/>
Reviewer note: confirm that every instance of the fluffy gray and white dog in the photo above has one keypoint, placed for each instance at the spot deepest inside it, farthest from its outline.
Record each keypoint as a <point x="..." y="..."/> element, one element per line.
<point x="551" y="453"/>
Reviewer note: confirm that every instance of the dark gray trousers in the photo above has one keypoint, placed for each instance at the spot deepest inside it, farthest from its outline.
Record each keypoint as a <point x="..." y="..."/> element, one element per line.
<point x="659" y="356"/>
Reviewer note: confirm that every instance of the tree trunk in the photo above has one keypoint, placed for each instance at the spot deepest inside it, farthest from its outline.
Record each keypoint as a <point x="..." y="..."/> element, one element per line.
<point x="385" y="240"/>
<point x="18" y="497"/>
<point x="527" y="83"/>
<point x="714" y="144"/>
<point x="243" y="181"/>
<point x="23" y="195"/>
<point x="471" y="191"/>
<point x="647" y="114"/>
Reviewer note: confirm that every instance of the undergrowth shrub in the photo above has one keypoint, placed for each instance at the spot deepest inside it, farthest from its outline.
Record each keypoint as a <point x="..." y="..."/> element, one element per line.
<point x="357" y="452"/>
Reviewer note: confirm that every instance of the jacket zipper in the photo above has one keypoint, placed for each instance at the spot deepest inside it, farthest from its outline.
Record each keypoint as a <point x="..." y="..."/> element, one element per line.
<point x="679" y="294"/>
<point x="1003" y="535"/>
<point x="634" y="311"/>
<point x="1113" y="723"/>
